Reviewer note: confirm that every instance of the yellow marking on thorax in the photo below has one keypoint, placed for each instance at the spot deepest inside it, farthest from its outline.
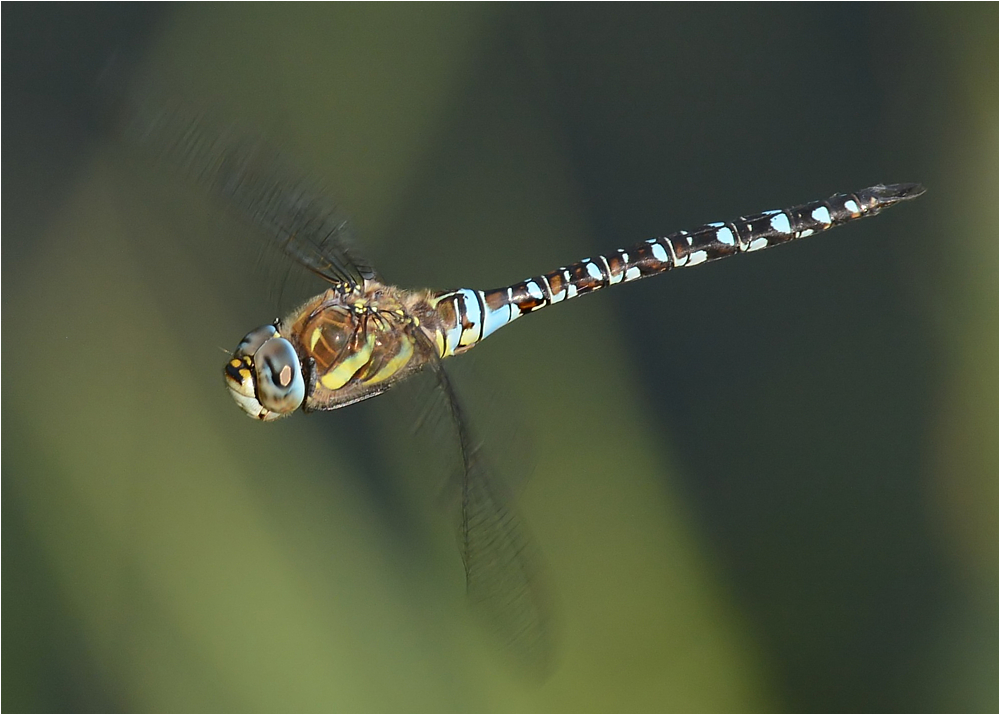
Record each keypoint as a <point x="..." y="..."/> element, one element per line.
<point x="396" y="364"/>
<point x="440" y="344"/>
<point x="314" y="338"/>
<point x="338" y="376"/>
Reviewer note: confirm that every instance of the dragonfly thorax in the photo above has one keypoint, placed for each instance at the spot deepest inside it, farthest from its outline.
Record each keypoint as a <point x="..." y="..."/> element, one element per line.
<point x="264" y="375"/>
<point x="356" y="344"/>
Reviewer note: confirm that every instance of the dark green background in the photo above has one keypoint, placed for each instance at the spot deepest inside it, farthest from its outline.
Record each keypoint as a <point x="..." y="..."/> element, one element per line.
<point x="765" y="484"/>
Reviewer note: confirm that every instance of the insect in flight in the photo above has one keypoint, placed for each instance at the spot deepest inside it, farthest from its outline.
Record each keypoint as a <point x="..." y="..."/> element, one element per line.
<point x="362" y="336"/>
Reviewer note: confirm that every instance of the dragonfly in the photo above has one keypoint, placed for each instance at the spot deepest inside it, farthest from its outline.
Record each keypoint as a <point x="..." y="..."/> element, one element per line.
<point x="362" y="336"/>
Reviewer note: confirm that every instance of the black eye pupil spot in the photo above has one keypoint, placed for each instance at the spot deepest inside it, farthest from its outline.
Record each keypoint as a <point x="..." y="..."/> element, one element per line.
<point x="281" y="375"/>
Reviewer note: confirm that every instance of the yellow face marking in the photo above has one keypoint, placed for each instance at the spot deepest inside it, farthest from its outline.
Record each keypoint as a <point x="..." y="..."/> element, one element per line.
<point x="235" y="362"/>
<point x="338" y="376"/>
<point x="395" y="365"/>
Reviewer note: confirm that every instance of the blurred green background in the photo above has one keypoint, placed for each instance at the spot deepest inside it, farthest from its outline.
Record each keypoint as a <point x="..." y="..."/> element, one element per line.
<point x="766" y="484"/>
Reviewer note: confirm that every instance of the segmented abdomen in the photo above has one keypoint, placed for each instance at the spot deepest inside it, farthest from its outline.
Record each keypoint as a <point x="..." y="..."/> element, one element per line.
<point x="470" y="315"/>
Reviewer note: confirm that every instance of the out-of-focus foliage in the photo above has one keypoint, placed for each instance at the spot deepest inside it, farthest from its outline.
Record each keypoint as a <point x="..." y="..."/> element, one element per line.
<point x="765" y="484"/>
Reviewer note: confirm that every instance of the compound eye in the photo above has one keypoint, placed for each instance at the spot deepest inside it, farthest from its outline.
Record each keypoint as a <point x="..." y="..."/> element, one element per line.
<point x="252" y="341"/>
<point x="280" y="386"/>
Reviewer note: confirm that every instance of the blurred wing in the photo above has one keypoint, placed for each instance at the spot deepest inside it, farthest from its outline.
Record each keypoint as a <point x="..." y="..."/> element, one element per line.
<point x="501" y="568"/>
<point x="500" y="571"/>
<point x="257" y="183"/>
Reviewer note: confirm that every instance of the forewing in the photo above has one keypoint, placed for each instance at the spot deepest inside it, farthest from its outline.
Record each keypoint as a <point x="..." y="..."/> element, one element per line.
<point x="256" y="182"/>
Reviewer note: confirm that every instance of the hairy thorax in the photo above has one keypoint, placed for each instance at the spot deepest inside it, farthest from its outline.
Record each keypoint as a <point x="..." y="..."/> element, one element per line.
<point x="356" y="344"/>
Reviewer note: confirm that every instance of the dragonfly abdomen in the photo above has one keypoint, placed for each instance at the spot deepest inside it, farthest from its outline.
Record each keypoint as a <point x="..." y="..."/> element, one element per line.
<point x="468" y="316"/>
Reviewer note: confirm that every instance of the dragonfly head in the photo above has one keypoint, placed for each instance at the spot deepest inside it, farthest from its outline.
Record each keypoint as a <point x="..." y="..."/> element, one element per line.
<point x="264" y="375"/>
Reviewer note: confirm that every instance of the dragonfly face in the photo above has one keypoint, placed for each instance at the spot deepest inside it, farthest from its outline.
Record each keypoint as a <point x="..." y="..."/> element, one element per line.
<point x="265" y="375"/>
